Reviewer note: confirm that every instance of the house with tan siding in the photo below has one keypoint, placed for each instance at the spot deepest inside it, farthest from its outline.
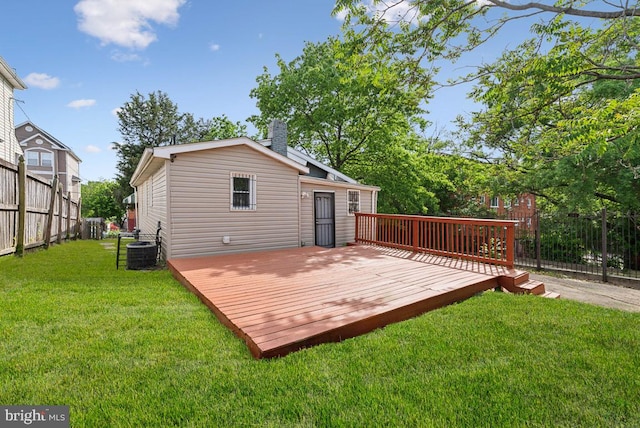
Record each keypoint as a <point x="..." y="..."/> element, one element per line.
<point x="9" y="81"/>
<point x="240" y="195"/>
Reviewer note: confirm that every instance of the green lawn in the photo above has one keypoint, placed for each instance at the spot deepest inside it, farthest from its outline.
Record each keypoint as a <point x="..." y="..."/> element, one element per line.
<point x="128" y="348"/>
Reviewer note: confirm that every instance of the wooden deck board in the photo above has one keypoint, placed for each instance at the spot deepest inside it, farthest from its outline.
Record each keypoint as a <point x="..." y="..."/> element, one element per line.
<point x="284" y="300"/>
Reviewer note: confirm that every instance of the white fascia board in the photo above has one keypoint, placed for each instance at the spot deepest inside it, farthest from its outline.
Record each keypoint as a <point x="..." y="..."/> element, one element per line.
<point x="145" y="159"/>
<point x="341" y="184"/>
<point x="44" y="137"/>
<point x="10" y="75"/>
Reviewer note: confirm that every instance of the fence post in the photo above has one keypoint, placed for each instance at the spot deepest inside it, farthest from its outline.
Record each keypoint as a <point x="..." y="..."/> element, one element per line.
<point x="538" y="246"/>
<point x="60" y="201"/>
<point x="415" y="233"/>
<point x="605" y="256"/>
<point x="68" y="234"/>
<point x="78" y="219"/>
<point x="52" y="205"/>
<point x="357" y="227"/>
<point x="22" y="206"/>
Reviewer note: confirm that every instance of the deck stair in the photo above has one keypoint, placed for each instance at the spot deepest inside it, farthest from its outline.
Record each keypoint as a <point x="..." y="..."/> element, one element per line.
<point x="518" y="282"/>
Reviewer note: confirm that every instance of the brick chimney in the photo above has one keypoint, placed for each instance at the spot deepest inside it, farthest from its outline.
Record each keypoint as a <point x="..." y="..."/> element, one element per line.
<point x="278" y="136"/>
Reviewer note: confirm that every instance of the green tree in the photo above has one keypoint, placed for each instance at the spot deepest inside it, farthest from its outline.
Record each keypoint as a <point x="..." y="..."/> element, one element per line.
<point x="340" y="103"/>
<point x="216" y="128"/>
<point x="560" y="127"/>
<point x="99" y="200"/>
<point x="154" y="121"/>
<point x="561" y="110"/>
<point x="359" y="113"/>
<point x="144" y="122"/>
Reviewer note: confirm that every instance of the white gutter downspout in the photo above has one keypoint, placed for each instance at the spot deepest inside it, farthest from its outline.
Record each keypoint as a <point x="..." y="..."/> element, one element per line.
<point x="135" y="195"/>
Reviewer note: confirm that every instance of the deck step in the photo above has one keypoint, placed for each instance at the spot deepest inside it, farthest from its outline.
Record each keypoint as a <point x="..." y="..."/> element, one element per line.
<point x="513" y="279"/>
<point x="550" y="295"/>
<point x="532" y="287"/>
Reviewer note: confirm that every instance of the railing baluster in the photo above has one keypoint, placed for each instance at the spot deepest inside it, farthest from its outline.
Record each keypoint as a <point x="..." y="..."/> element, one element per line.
<point x="489" y="241"/>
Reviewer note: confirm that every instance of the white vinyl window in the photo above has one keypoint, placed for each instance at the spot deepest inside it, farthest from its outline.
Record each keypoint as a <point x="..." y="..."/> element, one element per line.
<point x="46" y="159"/>
<point x="353" y="201"/>
<point x="32" y="158"/>
<point x="495" y="202"/>
<point x="243" y="192"/>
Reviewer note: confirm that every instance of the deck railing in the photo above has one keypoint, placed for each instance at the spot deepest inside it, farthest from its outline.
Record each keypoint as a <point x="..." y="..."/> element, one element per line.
<point x="487" y="241"/>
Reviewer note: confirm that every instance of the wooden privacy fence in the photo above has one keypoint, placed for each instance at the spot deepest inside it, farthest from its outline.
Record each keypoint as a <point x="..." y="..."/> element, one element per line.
<point x="487" y="241"/>
<point x="33" y="212"/>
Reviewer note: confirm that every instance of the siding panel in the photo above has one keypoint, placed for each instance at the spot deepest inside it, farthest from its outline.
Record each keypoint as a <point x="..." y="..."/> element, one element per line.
<point x="152" y="207"/>
<point x="345" y="224"/>
<point x="200" y="203"/>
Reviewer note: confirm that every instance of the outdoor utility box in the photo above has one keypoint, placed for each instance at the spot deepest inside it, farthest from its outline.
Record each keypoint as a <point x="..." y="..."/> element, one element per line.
<point x="141" y="255"/>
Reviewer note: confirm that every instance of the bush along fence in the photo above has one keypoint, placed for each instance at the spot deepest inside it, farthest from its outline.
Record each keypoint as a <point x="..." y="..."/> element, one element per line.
<point x="606" y="244"/>
<point x="33" y="212"/>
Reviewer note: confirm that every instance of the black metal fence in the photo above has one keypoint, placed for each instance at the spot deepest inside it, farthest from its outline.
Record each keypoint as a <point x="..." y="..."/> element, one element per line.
<point x="606" y="244"/>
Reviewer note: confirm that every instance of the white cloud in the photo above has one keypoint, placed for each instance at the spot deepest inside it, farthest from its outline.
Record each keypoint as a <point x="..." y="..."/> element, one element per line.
<point x="42" y="81"/>
<point x="81" y="103"/>
<point x="125" y="57"/>
<point x="404" y="11"/>
<point x="92" y="149"/>
<point x="391" y="12"/>
<point x="340" y="16"/>
<point x="214" y="47"/>
<point x="115" y="111"/>
<point x="126" y="23"/>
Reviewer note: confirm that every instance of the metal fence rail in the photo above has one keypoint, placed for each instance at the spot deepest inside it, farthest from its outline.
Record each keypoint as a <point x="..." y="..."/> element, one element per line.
<point x="606" y="244"/>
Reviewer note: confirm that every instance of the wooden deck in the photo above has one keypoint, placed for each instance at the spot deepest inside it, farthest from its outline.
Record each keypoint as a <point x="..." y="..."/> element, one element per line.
<point x="281" y="301"/>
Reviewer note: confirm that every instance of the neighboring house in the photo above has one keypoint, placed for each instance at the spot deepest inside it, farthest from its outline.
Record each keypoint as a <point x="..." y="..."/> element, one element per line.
<point x="239" y="195"/>
<point x="9" y="147"/>
<point x="129" y="219"/>
<point x="48" y="156"/>
<point x="521" y="208"/>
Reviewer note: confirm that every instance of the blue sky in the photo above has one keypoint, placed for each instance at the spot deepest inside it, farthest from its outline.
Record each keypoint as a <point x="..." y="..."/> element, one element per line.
<point x="82" y="59"/>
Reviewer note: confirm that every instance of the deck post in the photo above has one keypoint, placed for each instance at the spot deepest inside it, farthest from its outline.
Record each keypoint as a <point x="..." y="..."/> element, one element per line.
<point x="415" y="241"/>
<point x="357" y="227"/>
<point x="511" y="241"/>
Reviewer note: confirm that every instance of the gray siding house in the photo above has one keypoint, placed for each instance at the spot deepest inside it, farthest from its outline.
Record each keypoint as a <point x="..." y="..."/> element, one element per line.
<point x="47" y="156"/>
<point x="240" y="195"/>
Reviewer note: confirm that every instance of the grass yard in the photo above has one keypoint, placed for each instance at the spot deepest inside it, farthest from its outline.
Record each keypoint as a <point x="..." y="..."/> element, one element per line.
<point x="129" y="348"/>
